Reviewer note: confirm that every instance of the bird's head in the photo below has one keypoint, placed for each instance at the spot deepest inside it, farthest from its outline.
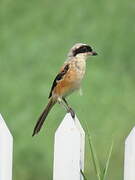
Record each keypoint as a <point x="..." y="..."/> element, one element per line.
<point x="81" y="50"/>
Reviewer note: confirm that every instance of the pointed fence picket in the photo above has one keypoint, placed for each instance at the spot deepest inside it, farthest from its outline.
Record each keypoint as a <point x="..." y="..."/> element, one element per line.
<point x="129" y="161"/>
<point x="69" y="150"/>
<point x="6" y="149"/>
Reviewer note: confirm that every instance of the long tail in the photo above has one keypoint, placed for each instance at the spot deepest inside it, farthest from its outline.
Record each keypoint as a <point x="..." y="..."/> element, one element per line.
<point x="43" y="116"/>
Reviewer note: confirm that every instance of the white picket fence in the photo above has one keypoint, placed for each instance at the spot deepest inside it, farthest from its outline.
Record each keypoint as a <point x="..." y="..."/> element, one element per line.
<point x="68" y="151"/>
<point x="6" y="151"/>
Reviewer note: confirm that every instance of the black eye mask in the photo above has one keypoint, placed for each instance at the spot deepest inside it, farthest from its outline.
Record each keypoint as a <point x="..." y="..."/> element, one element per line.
<point x="82" y="49"/>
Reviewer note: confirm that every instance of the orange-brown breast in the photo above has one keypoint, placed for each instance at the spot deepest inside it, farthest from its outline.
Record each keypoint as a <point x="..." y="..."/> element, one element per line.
<point x="68" y="84"/>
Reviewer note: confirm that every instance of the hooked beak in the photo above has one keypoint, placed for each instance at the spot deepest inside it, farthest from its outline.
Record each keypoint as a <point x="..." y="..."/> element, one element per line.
<point x="93" y="53"/>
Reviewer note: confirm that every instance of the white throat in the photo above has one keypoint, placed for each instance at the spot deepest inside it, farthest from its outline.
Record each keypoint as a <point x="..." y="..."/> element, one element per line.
<point x="82" y="56"/>
<point x="80" y="63"/>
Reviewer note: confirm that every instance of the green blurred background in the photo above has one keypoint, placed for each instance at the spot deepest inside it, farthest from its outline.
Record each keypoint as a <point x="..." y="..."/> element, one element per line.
<point x="35" y="37"/>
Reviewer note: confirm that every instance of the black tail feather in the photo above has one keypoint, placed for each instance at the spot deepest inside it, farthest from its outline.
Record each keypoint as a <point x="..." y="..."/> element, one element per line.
<point x="43" y="116"/>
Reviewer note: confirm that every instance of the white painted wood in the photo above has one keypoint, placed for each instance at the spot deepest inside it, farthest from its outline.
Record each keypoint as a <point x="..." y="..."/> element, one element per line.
<point x="69" y="150"/>
<point x="6" y="149"/>
<point x="129" y="162"/>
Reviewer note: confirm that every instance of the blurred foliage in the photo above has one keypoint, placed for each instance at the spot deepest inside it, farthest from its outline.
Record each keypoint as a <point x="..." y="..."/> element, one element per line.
<point x="35" y="37"/>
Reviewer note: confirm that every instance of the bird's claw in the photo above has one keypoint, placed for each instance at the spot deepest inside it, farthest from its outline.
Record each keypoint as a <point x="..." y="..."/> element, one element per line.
<point x="72" y="112"/>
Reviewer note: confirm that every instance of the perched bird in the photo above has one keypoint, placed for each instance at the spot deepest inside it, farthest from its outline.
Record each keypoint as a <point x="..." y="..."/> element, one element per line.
<point x="67" y="80"/>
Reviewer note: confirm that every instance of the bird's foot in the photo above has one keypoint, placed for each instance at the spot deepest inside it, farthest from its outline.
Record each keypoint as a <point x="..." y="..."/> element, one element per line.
<point x="72" y="112"/>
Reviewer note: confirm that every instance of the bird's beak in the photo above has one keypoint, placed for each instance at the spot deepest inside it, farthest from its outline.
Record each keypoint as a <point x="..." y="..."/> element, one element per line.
<point x="93" y="53"/>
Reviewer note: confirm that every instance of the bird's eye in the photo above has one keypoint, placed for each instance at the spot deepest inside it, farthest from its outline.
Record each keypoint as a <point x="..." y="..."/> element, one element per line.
<point x="84" y="49"/>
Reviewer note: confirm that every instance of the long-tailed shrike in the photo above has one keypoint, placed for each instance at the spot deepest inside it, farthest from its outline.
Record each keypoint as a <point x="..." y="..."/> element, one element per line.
<point x="67" y="81"/>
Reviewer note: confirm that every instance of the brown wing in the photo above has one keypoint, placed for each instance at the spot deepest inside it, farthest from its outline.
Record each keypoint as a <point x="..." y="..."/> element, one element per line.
<point x="58" y="78"/>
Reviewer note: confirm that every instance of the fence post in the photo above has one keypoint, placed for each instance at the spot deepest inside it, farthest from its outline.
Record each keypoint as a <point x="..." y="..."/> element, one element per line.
<point x="129" y="162"/>
<point x="69" y="150"/>
<point x="6" y="149"/>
